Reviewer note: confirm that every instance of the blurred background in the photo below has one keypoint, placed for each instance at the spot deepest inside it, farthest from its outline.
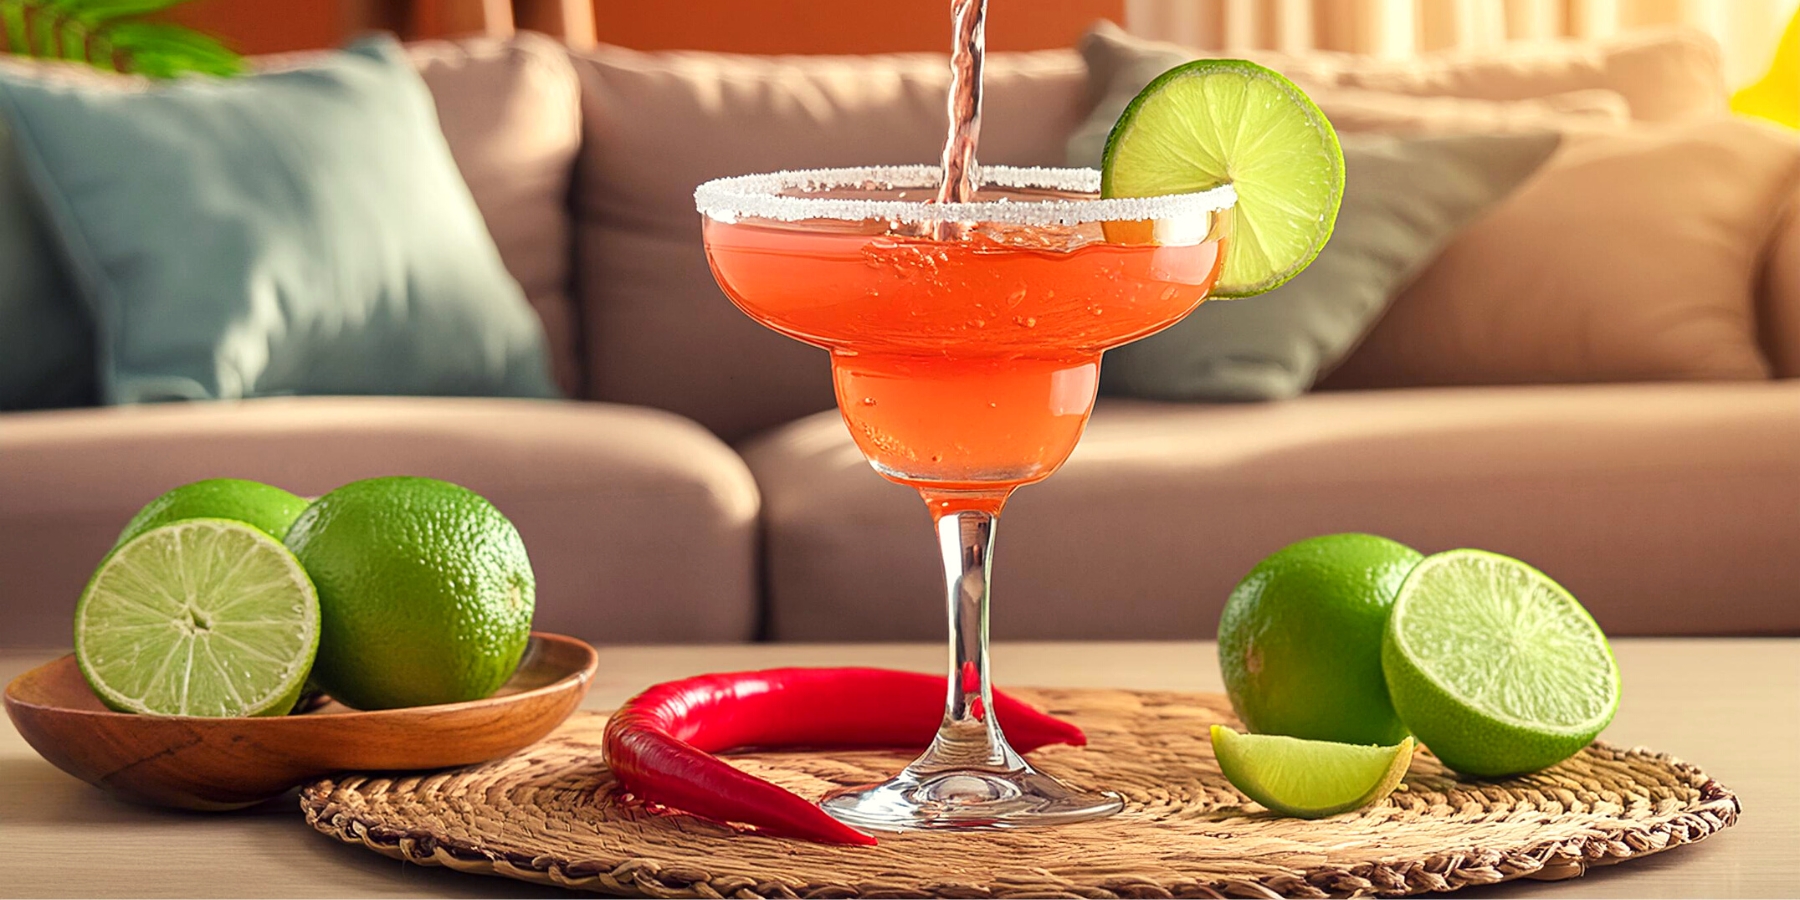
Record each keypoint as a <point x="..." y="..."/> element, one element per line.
<point x="1745" y="29"/>
<point x="1558" y="318"/>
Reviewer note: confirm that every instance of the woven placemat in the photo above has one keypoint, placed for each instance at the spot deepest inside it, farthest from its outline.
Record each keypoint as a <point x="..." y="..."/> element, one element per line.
<point x="550" y="814"/>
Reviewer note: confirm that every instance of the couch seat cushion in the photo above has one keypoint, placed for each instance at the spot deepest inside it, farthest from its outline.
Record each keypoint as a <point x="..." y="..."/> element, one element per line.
<point x="1668" y="509"/>
<point x="640" y="524"/>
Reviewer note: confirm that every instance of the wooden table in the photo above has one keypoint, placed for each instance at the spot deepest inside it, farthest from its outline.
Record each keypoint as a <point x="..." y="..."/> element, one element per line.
<point x="1730" y="705"/>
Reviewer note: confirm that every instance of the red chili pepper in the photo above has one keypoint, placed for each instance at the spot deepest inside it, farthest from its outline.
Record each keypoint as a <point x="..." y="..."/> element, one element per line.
<point x="659" y="744"/>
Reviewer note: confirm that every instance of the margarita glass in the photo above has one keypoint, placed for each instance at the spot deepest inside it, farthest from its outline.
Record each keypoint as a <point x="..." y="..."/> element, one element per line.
<point x="965" y="343"/>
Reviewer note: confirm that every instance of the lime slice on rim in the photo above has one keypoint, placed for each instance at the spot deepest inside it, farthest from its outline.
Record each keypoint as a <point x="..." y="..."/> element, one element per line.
<point x="1494" y="666"/>
<point x="1217" y="121"/>
<point x="205" y="617"/>
<point x="1309" y="779"/>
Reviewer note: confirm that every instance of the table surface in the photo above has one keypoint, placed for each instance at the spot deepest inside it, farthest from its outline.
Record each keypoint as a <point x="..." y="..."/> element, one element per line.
<point x="1731" y="706"/>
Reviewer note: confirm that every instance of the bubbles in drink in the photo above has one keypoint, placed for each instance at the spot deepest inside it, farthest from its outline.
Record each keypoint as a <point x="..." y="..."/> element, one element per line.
<point x="1037" y="237"/>
<point x="886" y="445"/>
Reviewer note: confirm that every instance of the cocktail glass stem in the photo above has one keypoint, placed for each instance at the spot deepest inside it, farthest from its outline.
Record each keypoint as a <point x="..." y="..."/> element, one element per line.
<point x="969" y="737"/>
<point x="969" y="777"/>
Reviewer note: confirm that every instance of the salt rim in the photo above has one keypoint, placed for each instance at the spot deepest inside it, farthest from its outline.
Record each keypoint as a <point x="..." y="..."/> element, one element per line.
<point x="758" y="197"/>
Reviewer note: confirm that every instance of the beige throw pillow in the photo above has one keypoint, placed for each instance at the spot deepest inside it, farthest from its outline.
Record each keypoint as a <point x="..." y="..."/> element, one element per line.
<point x="1629" y="257"/>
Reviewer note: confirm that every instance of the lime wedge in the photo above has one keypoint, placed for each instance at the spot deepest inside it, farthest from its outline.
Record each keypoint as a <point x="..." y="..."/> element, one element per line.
<point x="205" y="617"/>
<point x="1217" y="121"/>
<point x="1309" y="779"/>
<point x="1494" y="666"/>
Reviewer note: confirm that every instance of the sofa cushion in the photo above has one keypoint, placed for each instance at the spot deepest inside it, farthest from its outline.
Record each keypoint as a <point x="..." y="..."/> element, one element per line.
<point x="1627" y="257"/>
<point x="1403" y="200"/>
<point x="659" y="332"/>
<point x="641" y="526"/>
<point x="1779" y="301"/>
<point x="1354" y="109"/>
<point x="292" y="232"/>
<point x="1668" y="509"/>
<point x="511" y="112"/>
<point x="1661" y="74"/>
<point x="1120" y="65"/>
<point x="46" y="338"/>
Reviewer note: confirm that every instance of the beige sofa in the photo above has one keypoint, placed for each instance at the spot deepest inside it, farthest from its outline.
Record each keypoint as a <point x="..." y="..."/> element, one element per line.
<point x="702" y="489"/>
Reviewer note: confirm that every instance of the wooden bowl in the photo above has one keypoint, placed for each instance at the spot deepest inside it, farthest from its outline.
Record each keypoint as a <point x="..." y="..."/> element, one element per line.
<point x="193" y="762"/>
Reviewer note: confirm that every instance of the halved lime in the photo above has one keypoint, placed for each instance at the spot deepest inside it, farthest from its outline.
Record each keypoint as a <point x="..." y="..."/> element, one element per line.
<point x="1228" y="121"/>
<point x="1309" y="779"/>
<point x="204" y="617"/>
<point x="1494" y="666"/>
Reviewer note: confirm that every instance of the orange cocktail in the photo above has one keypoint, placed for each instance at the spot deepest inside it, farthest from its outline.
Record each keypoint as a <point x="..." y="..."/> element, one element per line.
<point x="965" y="340"/>
<point x="967" y="364"/>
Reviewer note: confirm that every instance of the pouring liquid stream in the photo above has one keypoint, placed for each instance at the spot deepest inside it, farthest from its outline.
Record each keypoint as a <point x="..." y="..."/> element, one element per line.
<point x="969" y="19"/>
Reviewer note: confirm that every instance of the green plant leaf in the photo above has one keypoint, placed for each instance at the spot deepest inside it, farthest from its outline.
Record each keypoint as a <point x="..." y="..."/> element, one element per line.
<point x="160" y="50"/>
<point x="43" y="34"/>
<point x="74" y="41"/>
<point x="96" y="11"/>
<point x="112" y="34"/>
<point x="12" y="21"/>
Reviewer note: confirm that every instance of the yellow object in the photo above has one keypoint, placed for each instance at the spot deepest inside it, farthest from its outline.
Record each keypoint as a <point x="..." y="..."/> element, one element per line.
<point x="1777" y="96"/>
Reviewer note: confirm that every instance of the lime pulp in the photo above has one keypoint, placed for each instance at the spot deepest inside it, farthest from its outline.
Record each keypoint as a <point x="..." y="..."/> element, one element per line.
<point x="203" y="617"/>
<point x="1309" y="779"/>
<point x="1494" y="666"/>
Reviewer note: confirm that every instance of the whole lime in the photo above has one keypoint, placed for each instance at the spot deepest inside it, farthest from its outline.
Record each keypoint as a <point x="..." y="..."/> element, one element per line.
<point x="425" y="592"/>
<point x="264" y="506"/>
<point x="1300" y="639"/>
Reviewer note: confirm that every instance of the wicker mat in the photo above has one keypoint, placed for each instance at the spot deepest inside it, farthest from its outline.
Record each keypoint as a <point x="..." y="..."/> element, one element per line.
<point x="549" y="815"/>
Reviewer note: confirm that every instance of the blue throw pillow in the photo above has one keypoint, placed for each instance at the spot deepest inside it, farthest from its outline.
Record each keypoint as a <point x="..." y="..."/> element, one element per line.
<point x="46" y="340"/>
<point x="297" y="232"/>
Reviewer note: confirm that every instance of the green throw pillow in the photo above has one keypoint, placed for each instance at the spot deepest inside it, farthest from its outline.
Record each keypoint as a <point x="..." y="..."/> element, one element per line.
<point x="296" y="232"/>
<point x="46" y="340"/>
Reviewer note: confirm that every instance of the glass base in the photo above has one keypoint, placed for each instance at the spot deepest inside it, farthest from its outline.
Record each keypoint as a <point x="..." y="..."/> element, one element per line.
<point x="968" y="799"/>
